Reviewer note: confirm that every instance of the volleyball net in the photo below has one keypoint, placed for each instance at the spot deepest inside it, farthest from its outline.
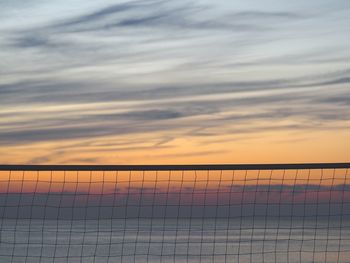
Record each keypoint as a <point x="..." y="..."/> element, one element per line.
<point x="175" y="213"/>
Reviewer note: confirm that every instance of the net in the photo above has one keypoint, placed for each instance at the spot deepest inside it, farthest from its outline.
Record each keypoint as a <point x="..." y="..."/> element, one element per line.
<point x="198" y="213"/>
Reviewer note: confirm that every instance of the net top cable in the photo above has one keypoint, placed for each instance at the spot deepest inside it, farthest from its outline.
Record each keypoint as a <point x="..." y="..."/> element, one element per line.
<point x="174" y="167"/>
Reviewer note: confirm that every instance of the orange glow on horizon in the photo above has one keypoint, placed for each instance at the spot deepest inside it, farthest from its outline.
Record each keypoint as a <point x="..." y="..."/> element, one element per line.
<point x="124" y="181"/>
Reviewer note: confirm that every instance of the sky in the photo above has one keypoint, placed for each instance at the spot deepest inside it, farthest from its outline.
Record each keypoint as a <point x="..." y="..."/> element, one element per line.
<point x="186" y="81"/>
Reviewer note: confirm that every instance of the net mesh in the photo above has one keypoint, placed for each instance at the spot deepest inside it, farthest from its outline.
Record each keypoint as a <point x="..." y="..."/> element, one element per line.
<point x="294" y="215"/>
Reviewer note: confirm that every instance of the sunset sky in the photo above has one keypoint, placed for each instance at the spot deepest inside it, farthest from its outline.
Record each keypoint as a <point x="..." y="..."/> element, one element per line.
<point x="197" y="81"/>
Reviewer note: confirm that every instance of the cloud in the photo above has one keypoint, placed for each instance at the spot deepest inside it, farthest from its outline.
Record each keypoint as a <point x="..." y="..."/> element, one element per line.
<point x="155" y="14"/>
<point x="150" y="115"/>
<point x="89" y="113"/>
<point x="30" y="41"/>
<point x="97" y="15"/>
<point x="343" y="100"/>
<point x="344" y="80"/>
<point x="265" y="14"/>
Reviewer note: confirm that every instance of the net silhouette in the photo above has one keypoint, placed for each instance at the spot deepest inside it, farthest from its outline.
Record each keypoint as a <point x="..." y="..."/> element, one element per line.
<point x="178" y="213"/>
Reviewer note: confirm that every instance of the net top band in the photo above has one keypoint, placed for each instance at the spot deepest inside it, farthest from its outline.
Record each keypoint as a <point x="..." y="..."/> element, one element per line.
<point x="175" y="167"/>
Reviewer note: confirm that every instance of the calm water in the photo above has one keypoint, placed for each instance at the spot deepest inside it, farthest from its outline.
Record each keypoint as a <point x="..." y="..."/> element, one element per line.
<point x="171" y="240"/>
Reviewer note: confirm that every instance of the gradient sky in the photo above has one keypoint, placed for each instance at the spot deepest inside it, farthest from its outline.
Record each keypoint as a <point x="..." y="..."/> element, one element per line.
<point x="194" y="81"/>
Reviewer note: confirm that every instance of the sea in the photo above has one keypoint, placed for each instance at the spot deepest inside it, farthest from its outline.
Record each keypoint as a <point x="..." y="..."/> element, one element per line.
<point x="173" y="240"/>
